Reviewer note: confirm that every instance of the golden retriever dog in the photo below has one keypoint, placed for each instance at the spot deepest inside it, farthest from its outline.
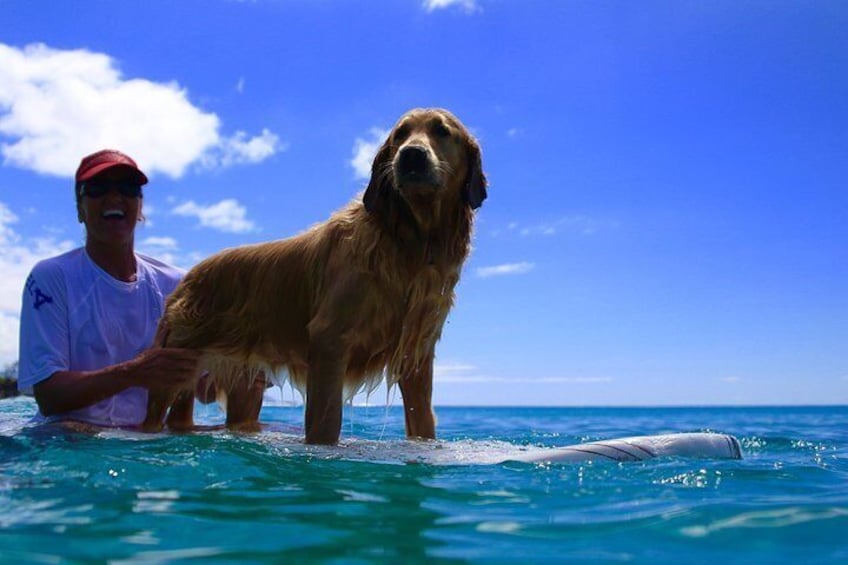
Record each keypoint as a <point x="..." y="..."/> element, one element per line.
<point x="349" y="302"/>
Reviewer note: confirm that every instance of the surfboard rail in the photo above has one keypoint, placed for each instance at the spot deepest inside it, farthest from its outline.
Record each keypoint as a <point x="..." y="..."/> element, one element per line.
<point x="640" y="448"/>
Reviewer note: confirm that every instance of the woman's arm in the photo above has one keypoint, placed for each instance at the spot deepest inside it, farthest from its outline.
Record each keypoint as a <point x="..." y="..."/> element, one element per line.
<point x="156" y="369"/>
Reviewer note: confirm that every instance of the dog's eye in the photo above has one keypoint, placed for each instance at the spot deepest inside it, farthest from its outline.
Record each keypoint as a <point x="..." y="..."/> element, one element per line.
<point x="441" y="130"/>
<point x="401" y="133"/>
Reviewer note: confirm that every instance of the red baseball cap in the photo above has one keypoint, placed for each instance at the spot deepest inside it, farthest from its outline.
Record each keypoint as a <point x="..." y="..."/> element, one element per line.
<point x="94" y="164"/>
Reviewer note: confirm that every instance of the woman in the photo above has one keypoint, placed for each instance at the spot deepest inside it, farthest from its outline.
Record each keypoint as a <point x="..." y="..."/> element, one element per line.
<point x="89" y="316"/>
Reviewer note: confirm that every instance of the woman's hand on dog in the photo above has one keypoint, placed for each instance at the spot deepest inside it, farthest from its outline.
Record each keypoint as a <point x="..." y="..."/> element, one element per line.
<point x="166" y="369"/>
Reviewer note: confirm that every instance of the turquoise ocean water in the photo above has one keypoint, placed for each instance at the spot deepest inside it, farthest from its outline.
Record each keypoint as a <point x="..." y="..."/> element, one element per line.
<point x="217" y="497"/>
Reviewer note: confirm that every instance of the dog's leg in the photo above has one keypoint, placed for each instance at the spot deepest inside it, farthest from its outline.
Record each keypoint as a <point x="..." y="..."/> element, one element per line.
<point x="181" y="415"/>
<point x="157" y="405"/>
<point x="324" y="389"/>
<point x="244" y="401"/>
<point x="329" y="354"/>
<point x="417" y="393"/>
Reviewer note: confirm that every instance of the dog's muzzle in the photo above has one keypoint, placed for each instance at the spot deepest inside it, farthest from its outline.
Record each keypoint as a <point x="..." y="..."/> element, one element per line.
<point x="413" y="166"/>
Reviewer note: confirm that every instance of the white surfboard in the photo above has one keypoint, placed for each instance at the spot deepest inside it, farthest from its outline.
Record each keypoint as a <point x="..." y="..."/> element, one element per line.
<point x="489" y="452"/>
<point x="483" y="452"/>
<point x="639" y="448"/>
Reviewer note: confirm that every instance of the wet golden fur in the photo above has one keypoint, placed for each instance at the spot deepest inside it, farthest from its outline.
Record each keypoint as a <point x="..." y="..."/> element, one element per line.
<point x="358" y="298"/>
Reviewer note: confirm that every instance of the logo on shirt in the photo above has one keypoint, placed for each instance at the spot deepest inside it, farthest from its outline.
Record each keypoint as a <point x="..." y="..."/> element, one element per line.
<point x="39" y="298"/>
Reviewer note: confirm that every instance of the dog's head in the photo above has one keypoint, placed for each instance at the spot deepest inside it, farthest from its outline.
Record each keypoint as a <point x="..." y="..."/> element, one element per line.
<point x="429" y="154"/>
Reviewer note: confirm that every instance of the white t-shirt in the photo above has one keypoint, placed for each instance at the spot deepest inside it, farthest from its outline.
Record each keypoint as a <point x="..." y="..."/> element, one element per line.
<point x="77" y="317"/>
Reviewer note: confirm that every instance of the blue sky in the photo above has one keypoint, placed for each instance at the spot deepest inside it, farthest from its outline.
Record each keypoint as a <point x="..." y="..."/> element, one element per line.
<point x="667" y="219"/>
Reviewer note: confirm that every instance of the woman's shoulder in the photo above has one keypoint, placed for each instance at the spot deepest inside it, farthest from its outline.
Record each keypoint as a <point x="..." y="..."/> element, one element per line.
<point x="48" y="279"/>
<point x="165" y="275"/>
<point x="57" y="266"/>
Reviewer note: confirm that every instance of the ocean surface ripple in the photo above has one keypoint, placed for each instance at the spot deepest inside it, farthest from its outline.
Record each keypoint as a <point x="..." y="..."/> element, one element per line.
<point x="125" y="497"/>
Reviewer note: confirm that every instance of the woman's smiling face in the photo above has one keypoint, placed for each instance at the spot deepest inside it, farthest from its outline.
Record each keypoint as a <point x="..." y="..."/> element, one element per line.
<point x="111" y="217"/>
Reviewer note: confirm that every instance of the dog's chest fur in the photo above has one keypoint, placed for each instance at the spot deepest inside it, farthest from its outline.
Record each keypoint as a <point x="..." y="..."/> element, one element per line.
<point x="399" y="325"/>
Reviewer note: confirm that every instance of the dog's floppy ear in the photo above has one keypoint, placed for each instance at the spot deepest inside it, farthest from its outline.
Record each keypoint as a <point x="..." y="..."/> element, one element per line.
<point x="381" y="178"/>
<point x="474" y="191"/>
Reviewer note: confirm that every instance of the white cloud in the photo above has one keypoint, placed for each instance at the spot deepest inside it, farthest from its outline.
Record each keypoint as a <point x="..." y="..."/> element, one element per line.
<point x="506" y="269"/>
<point x="227" y="215"/>
<point x="463" y="373"/>
<point x="9" y="327"/>
<point x="452" y="371"/>
<point x="164" y="249"/>
<point x="541" y="229"/>
<point x="17" y="258"/>
<point x="470" y="6"/>
<point x="57" y="105"/>
<point x="241" y="150"/>
<point x="364" y="151"/>
<point x="159" y="242"/>
<point x="575" y="224"/>
<point x="240" y="85"/>
<point x="583" y="225"/>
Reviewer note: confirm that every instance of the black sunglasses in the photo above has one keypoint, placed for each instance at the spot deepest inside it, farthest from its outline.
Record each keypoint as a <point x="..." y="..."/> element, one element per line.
<point x="96" y="189"/>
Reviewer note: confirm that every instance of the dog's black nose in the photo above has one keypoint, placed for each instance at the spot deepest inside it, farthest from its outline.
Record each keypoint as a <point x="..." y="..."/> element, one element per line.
<point x="413" y="159"/>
